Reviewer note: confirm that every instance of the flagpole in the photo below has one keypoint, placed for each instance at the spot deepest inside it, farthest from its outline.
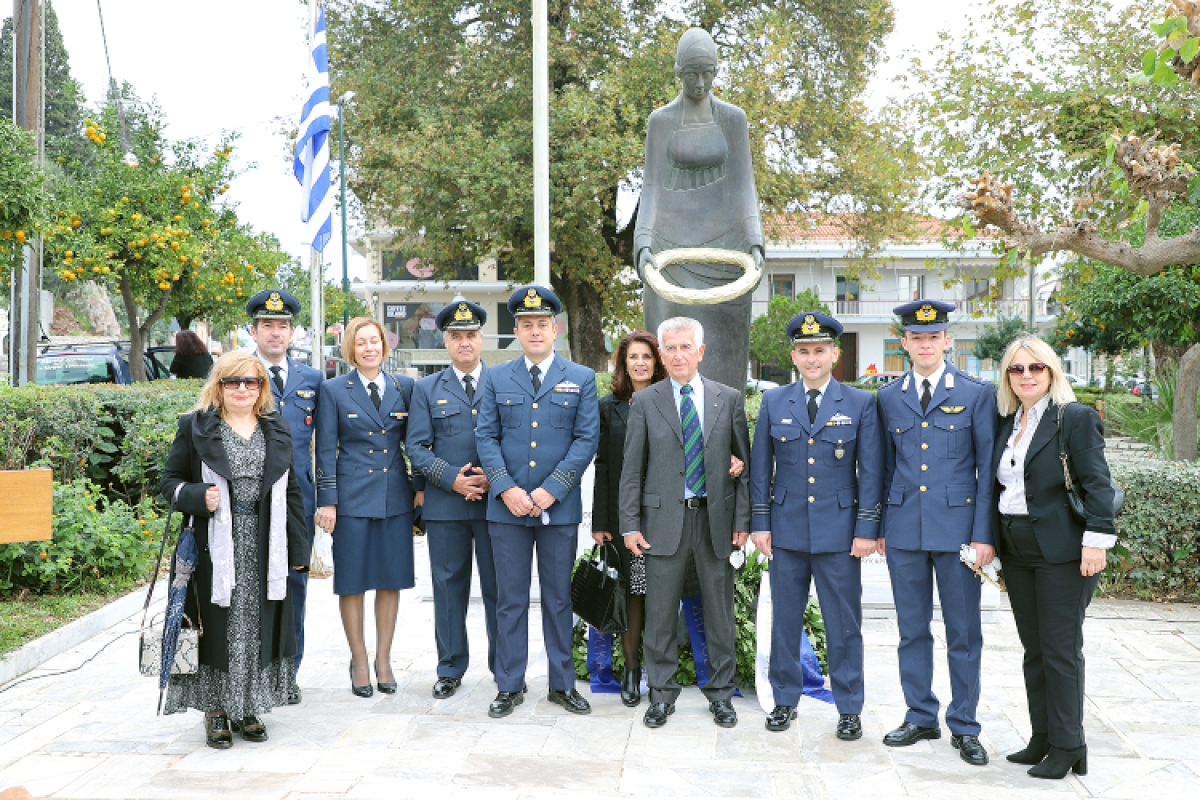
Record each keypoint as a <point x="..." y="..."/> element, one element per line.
<point x="317" y="323"/>
<point x="541" y="147"/>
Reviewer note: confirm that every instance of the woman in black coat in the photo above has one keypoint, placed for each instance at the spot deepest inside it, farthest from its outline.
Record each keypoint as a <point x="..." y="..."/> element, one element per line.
<point x="636" y="365"/>
<point x="230" y="468"/>
<point x="192" y="359"/>
<point x="1052" y="561"/>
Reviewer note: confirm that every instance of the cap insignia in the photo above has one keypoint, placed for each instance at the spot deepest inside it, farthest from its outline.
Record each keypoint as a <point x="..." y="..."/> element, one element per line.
<point x="810" y="326"/>
<point x="274" y="302"/>
<point x="926" y="313"/>
<point x="463" y="314"/>
<point x="533" y="299"/>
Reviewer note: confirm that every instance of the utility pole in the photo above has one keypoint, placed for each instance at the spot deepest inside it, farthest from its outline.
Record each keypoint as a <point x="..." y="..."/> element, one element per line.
<point x="28" y="106"/>
<point x="541" y="146"/>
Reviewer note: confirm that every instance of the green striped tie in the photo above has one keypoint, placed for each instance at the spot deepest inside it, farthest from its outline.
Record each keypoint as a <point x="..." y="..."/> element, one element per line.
<point x="693" y="443"/>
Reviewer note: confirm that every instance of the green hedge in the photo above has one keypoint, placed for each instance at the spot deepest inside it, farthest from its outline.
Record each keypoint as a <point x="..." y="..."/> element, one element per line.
<point x="1156" y="557"/>
<point x="116" y="436"/>
<point x="745" y="607"/>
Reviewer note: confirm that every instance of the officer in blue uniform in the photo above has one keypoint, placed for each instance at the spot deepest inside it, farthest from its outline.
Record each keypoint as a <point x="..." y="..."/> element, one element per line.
<point x="441" y="446"/>
<point x="295" y="386"/>
<point x="938" y="430"/>
<point x="539" y="426"/>
<point x="819" y="442"/>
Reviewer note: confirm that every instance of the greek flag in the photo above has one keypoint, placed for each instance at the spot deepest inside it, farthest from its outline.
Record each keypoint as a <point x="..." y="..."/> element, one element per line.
<point x="311" y="163"/>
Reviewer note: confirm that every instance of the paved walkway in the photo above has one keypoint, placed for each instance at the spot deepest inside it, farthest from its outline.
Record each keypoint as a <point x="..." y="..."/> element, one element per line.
<point x="93" y="733"/>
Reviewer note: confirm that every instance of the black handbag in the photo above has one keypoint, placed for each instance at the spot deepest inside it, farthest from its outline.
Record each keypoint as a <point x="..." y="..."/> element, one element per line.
<point x="1074" y="499"/>
<point x="599" y="592"/>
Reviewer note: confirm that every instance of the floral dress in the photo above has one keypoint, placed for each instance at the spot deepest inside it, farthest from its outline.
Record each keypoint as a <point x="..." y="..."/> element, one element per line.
<point x="247" y="688"/>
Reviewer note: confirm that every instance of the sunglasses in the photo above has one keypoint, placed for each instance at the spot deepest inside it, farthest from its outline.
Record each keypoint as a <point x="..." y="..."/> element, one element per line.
<point x="1034" y="369"/>
<point x="244" y="381"/>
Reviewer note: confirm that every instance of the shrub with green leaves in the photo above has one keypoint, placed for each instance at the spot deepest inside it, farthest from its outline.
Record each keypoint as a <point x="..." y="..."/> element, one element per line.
<point x="98" y="543"/>
<point x="1159" y="529"/>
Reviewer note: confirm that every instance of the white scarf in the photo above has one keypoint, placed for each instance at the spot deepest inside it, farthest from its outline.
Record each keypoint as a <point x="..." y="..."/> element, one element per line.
<point x="220" y="540"/>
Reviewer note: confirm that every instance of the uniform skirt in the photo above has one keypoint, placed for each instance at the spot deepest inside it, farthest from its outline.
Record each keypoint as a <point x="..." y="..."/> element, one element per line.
<point x="372" y="554"/>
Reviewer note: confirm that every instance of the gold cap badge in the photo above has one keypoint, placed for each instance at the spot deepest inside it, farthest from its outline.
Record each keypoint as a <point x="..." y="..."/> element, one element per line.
<point x="463" y="314"/>
<point x="926" y="313"/>
<point x="274" y="302"/>
<point x="810" y="326"/>
<point x="533" y="299"/>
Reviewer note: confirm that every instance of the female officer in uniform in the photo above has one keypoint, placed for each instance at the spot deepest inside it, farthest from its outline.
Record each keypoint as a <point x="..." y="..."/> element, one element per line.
<point x="364" y="496"/>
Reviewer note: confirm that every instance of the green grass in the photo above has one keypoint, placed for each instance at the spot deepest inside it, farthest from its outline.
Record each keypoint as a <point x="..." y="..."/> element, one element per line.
<point x="25" y="619"/>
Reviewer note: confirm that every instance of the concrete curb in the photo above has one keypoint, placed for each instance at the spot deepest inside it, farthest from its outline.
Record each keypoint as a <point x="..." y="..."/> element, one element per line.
<point x="40" y="650"/>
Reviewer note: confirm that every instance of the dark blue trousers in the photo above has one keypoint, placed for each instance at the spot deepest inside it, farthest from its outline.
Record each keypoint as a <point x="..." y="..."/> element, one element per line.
<point x="450" y="551"/>
<point x="298" y="591"/>
<point x="512" y="551"/>
<point x="839" y="590"/>
<point x="912" y="573"/>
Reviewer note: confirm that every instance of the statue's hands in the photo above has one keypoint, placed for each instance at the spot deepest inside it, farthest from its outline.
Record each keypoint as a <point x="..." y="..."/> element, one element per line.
<point x="645" y="257"/>
<point x="760" y="258"/>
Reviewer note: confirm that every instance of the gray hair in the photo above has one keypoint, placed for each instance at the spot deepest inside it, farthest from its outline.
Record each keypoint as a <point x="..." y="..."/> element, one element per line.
<point x="680" y="324"/>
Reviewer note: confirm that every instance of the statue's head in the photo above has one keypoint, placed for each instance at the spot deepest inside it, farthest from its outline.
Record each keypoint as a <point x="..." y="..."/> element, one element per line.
<point x="696" y="62"/>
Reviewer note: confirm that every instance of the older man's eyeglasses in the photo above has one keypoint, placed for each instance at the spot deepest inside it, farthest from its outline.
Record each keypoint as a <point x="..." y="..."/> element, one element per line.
<point x="1035" y="368"/>
<point x="243" y="381"/>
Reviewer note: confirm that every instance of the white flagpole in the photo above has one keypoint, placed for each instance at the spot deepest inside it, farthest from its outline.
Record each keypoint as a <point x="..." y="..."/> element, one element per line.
<point x="541" y="147"/>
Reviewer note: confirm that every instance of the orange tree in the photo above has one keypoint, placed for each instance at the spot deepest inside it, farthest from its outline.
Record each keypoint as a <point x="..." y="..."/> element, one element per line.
<point x="146" y="217"/>
<point x="21" y="199"/>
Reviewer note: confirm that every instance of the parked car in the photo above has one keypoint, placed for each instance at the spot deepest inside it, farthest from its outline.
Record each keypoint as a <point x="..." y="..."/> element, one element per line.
<point x="90" y="362"/>
<point x="760" y="385"/>
<point x="879" y="378"/>
<point x="1075" y="380"/>
<point x="1144" y="389"/>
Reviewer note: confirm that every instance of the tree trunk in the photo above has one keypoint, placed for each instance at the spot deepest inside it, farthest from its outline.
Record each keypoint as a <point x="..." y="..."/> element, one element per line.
<point x="1183" y="416"/>
<point x="581" y="301"/>
<point x="1167" y="353"/>
<point x="138" y="332"/>
<point x="185" y="320"/>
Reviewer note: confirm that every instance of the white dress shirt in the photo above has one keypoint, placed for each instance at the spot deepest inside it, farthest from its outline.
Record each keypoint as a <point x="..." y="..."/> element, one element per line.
<point x="1011" y="471"/>
<point x="475" y="373"/>
<point x="379" y="382"/>
<point x="934" y="381"/>
<point x="543" y="365"/>
<point x="282" y="365"/>
<point x="823" y="388"/>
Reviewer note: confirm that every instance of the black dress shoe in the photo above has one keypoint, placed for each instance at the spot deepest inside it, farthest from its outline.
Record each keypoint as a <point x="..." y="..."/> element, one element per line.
<point x="571" y="700"/>
<point x="505" y="702"/>
<point x="969" y="749"/>
<point x="849" y="727"/>
<point x="1059" y="762"/>
<point x="217" y="733"/>
<point x="359" y="691"/>
<point x="723" y="713"/>
<point x="631" y="689"/>
<point x="657" y="713"/>
<point x="1034" y="752"/>
<point x="252" y="728"/>
<point x="445" y="687"/>
<point x="294" y="696"/>
<point x="909" y="733"/>
<point x="780" y="718"/>
<point x="386" y="688"/>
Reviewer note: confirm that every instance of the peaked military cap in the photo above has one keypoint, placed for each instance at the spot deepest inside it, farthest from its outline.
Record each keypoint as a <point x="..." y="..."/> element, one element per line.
<point x="273" y="304"/>
<point x="813" y="326"/>
<point x="533" y="300"/>
<point x="461" y="315"/>
<point x="925" y="316"/>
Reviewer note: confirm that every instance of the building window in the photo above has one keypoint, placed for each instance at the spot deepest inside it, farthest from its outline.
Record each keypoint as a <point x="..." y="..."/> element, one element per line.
<point x="847" y="295"/>
<point x="894" y="357"/>
<point x="974" y="288"/>
<point x="912" y="287"/>
<point x="398" y="266"/>
<point x="414" y="325"/>
<point x="784" y="285"/>
<point x="505" y="323"/>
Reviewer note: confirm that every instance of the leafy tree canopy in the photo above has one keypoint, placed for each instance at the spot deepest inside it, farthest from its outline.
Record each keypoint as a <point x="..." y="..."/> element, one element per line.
<point x="768" y="339"/>
<point x="64" y="98"/>
<point x="21" y="187"/>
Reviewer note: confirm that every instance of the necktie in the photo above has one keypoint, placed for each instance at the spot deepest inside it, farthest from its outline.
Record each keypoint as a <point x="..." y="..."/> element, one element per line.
<point x="925" y="396"/>
<point x="535" y="372"/>
<point x="277" y="377"/>
<point x="375" y="395"/>
<point x="813" y="394"/>
<point x="469" y="387"/>
<point x="693" y="443"/>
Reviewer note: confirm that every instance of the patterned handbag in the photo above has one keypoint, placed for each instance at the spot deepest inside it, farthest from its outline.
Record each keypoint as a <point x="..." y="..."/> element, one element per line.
<point x="150" y="641"/>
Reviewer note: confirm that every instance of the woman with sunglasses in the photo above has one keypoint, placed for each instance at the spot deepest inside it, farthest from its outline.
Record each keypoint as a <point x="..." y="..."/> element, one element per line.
<point x="230" y="469"/>
<point x="364" y="496"/>
<point x="1052" y="561"/>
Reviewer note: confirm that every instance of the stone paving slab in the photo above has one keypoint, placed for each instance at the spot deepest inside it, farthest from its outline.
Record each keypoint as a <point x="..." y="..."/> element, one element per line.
<point x="94" y="734"/>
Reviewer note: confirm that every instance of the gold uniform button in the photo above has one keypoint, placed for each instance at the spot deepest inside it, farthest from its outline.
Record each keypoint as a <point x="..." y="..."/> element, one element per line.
<point x="370" y="472"/>
<point x="533" y="444"/>
<point x="533" y="463"/>
<point x="385" y="469"/>
<point x="924" y="468"/>
<point x="812" y="480"/>
<point x="783" y="438"/>
<point x="812" y="499"/>
<point x="474" y="410"/>
<point x="370" y="433"/>
<point x="370" y="452"/>
<point x="283" y="402"/>
<point x="385" y="452"/>
<point x="924" y="446"/>
<point x="535" y="424"/>
<point x="897" y="430"/>
<point x="924" y="424"/>
<point x="968" y="501"/>
<point x="535" y="405"/>
<point x="951" y="427"/>
<point x="812" y="461"/>
<point x="922" y="488"/>
<point x="812" y="441"/>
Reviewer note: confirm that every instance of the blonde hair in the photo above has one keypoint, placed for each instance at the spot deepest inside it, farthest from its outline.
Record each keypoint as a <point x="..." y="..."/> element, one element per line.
<point x="352" y="328"/>
<point x="1061" y="392"/>
<point x="236" y="364"/>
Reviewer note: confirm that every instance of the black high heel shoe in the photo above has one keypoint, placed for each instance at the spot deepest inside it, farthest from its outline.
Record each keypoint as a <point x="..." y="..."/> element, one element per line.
<point x="631" y="691"/>
<point x="386" y="688"/>
<point x="359" y="691"/>
<point x="1059" y="762"/>
<point x="1033" y="753"/>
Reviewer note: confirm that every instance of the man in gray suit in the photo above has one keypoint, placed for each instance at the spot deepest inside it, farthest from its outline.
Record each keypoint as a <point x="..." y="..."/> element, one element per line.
<point x="679" y="505"/>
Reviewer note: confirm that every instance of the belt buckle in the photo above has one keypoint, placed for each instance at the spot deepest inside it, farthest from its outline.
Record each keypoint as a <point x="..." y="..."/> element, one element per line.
<point x="694" y="502"/>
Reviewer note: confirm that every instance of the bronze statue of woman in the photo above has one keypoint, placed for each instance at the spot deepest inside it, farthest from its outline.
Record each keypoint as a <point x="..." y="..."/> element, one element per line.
<point x="698" y="192"/>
